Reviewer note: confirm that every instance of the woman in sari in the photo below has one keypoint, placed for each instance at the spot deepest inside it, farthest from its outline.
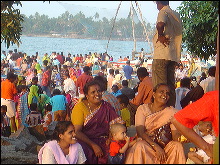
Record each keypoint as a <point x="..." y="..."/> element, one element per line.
<point x="149" y="120"/>
<point x="43" y="100"/>
<point x="33" y="96"/>
<point x="92" y="118"/>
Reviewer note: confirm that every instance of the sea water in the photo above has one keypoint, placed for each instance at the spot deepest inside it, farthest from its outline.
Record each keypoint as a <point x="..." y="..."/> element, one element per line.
<point x="42" y="45"/>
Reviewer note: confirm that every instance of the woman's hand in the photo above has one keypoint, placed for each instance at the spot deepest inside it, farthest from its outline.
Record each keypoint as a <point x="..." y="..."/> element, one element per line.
<point x="97" y="150"/>
<point x="160" y="153"/>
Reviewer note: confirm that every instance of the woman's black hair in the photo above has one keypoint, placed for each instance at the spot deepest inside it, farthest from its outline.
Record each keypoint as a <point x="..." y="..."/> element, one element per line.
<point x="60" y="128"/>
<point x="102" y="81"/>
<point x="156" y="88"/>
<point x="11" y="75"/>
<point x="142" y="72"/>
<point x="89" y="84"/>
<point x="48" y="107"/>
<point x="56" y="92"/>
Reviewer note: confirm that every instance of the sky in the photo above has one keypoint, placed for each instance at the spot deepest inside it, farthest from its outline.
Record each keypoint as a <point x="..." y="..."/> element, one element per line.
<point x="56" y="8"/>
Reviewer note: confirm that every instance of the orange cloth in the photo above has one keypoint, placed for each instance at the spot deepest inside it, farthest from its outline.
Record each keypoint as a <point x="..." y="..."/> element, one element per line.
<point x="8" y="90"/>
<point x="115" y="146"/>
<point x="82" y="80"/>
<point x="18" y="61"/>
<point x="145" y="92"/>
<point x="204" y="109"/>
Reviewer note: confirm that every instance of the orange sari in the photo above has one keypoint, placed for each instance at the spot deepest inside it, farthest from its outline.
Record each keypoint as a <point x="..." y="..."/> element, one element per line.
<point x="141" y="152"/>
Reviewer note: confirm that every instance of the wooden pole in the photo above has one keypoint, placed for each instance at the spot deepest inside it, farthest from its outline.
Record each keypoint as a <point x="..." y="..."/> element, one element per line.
<point x="217" y="63"/>
<point x="145" y="30"/>
<point x="133" y="26"/>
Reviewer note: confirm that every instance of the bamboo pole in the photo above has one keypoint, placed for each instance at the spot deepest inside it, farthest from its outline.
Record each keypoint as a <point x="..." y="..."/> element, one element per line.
<point x="145" y="30"/>
<point x="133" y="26"/>
<point x="113" y="25"/>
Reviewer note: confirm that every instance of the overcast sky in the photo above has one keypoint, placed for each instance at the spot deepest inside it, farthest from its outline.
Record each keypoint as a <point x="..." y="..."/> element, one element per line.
<point x="55" y="9"/>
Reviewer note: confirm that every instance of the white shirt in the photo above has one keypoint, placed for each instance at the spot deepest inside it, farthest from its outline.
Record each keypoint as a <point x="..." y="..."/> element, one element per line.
<point x="180" y="94"/>
<point x="180" y="74"/>
<point x="209" y="139"/>
<point x="208" y="84"/>
<point x="48" y="157"/>
<point x="69" y="85"/>
<point x="173" y="31"/>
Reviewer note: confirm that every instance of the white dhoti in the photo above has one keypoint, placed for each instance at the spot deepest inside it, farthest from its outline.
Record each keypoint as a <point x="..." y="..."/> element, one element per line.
<point x="10" y="107"/>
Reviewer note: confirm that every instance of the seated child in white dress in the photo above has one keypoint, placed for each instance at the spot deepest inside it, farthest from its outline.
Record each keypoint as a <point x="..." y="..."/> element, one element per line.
<point x="200" y="157"/>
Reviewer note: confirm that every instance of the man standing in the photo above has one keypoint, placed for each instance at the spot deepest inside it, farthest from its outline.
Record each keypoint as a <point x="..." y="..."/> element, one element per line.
<point x="168" y="50"/>
<point x="8" y="91"/>
<point x="82" y="80"/>
<point x="128" y="71"/>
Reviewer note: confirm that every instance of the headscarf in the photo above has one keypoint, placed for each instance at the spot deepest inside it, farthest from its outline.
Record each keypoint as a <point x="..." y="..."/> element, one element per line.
<point x="33" y="96"/>
<point x="44" y="99"/>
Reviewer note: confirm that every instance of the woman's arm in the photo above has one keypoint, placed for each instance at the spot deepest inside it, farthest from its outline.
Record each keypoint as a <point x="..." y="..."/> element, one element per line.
<point x="175" y="135"/>
<point x="160" y="153"/>
<point x="80" y="135"/>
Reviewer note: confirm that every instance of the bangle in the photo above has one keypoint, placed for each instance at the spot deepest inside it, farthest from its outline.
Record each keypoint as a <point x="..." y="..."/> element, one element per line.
<point x="153" y="145"/>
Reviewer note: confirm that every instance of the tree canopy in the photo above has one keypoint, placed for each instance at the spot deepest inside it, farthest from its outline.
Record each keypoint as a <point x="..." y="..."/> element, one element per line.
<point x="11" y="20"/>
<point x="200" y="24"/>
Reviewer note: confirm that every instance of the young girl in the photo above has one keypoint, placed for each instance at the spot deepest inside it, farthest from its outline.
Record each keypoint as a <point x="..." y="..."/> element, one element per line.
<point x="49" y="117"/>
<point x="119" y="143"/>
<point x="63" y="149"/>
<point x="5" y="128"/>
<point x="200" y="157"/>
<point x="34" y="118"/>
<point x="59" y="105"/>
<point x="124" y="111"/>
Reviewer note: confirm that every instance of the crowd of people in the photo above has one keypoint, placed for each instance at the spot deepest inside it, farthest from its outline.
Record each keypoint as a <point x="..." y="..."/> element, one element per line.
<point x="93" y="100"/>
<point x="93" y="104"/>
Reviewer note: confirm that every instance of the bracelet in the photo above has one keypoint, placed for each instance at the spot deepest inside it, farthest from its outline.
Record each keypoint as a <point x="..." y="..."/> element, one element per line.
<point x="153" y="145"/>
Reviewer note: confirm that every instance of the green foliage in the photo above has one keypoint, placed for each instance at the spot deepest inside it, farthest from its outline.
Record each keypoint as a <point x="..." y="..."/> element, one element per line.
<point x="10" y="23"/>
<point x="200" y="27"/>
<point x="90" y="27"/>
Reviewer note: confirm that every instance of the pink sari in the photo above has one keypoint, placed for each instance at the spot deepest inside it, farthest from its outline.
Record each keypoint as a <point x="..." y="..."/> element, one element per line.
<point x="142" y="152"/>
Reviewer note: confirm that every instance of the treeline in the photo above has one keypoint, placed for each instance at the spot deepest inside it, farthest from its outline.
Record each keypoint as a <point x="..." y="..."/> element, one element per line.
<point x="88" y="27"/>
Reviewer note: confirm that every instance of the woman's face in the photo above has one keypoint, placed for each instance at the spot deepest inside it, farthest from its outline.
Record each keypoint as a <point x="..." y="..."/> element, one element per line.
<point x="94" y="94"/>
<point x="69" y="135"/>
<point x="162" y="94"/>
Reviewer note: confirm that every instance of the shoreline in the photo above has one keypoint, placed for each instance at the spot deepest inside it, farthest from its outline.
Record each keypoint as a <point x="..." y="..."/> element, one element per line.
<point x="79" y="37"/>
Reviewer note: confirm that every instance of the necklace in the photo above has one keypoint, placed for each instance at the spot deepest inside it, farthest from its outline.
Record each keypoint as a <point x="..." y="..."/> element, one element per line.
<point x="90" y="110"/>
<point x="154" y="111"/>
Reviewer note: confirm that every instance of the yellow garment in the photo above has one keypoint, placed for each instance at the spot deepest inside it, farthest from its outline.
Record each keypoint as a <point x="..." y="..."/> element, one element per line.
<point x="46" y="58"/>
<point x="125" y="114"/>
<point x="33" y="92"/>
<point x="79" y="113"/>
<point x="178" y="84"/>
<point x="216" y="151"/>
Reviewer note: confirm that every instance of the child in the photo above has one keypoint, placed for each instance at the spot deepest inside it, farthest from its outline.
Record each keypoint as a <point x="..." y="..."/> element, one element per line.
<point x="59" y="105"/>
<point x="200" y="157"/>
<point x="119" y="144"/>
<point x="125" y="113"/>
<point x="5" y="128"/>
<point x="34" y="118"/>
<point x="49" y="117"/>
<point x="115" y="90"/>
